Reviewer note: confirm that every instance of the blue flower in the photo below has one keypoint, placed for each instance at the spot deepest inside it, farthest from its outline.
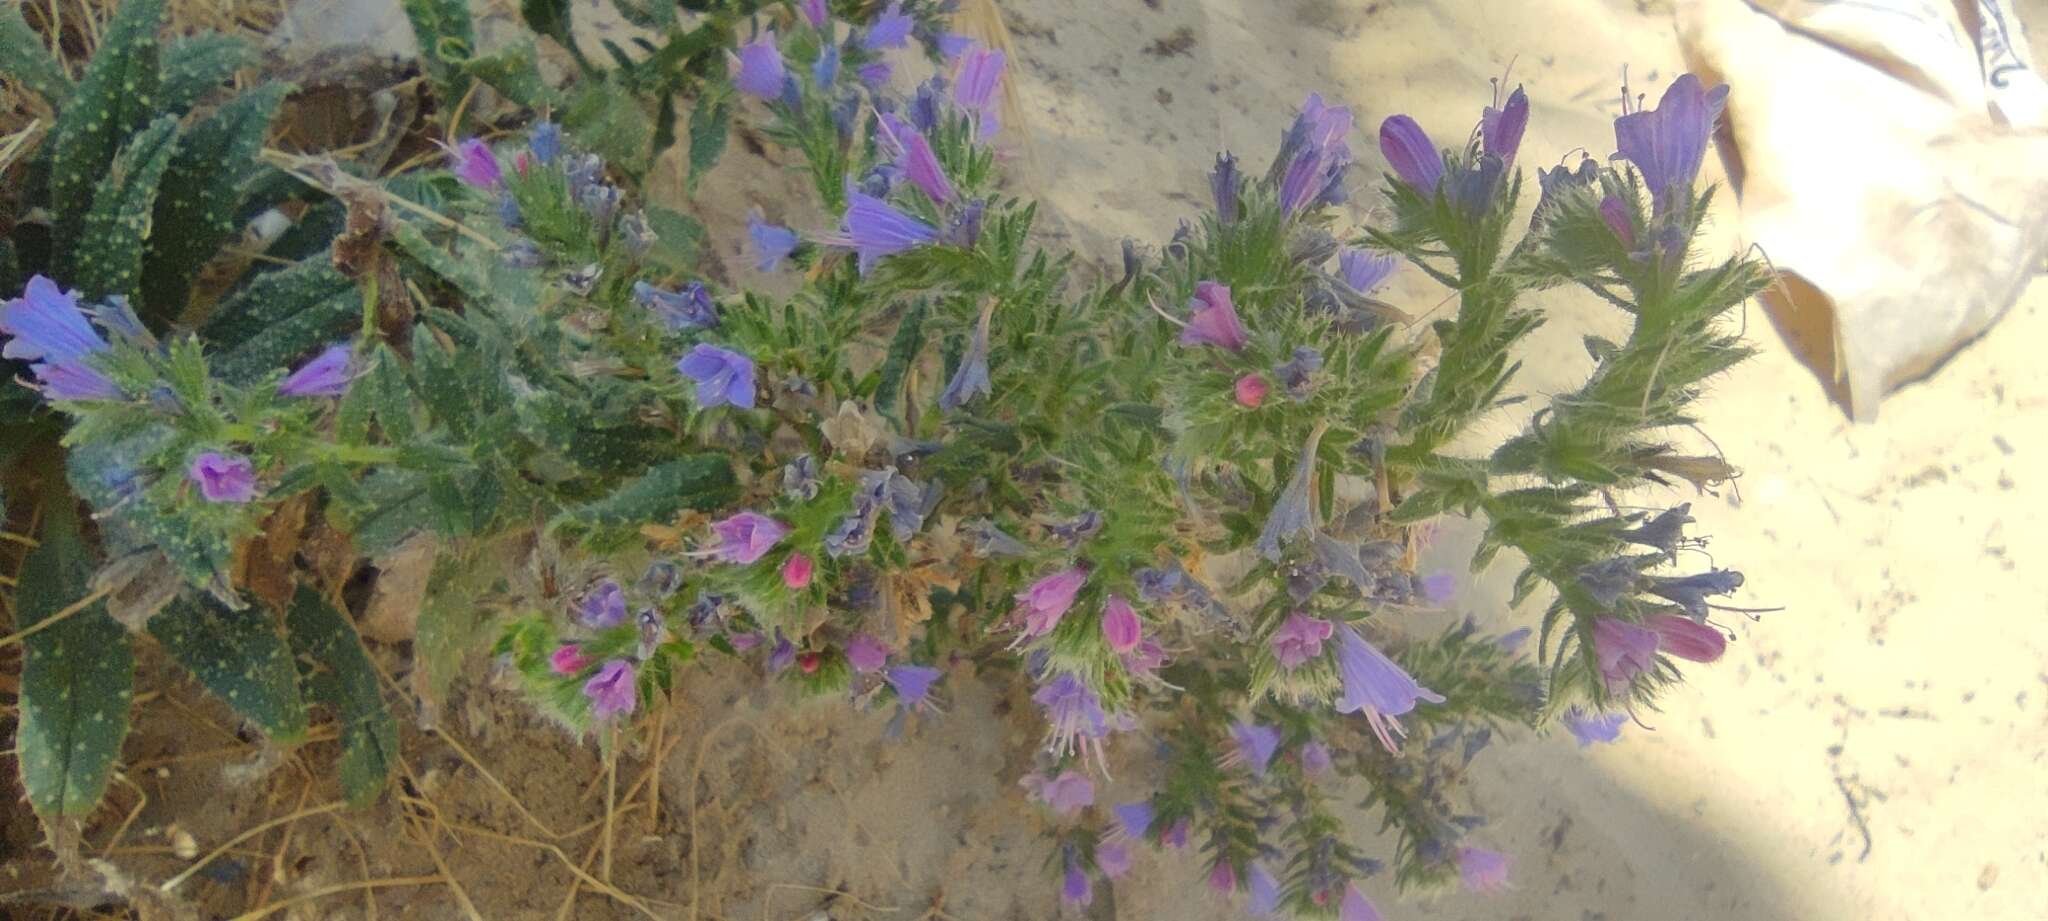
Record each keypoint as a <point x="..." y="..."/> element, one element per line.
<point x="1500" y="128"/>
<point x="891" y="29"/>
<point x="1412" y="155"/>
<point x="1668" y="143"/>
<point x="327" y="375"/>
<point x="972" y="377"/>
<point x="686" y="310"/>
<point x="873" y="229"/>
<point x="1294" y="510"/>
<point x="760" y="72"/>
<point x="826" y="69"/>
<point x="1224" y="183"/>
<point x="1376" y="686"/>
<point x="724" y="377"/>
<point x="46" y="327"/>
<point x="772" y="242"/>
<point x="912" y="683"/>
<point x="603" y="608"/>
<point x="1592" y="728"/>
<point x="545" y="141"/>
<point x="1365" y="271"/>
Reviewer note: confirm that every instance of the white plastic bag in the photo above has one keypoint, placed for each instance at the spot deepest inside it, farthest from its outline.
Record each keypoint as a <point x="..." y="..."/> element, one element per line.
<point x="1891" y="158"/>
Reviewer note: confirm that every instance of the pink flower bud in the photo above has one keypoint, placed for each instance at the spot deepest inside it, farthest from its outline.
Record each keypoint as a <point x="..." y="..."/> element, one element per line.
<point x="1120" y="625"/>
<point x="1251" y="391"/>
<point x="796" y="573"/>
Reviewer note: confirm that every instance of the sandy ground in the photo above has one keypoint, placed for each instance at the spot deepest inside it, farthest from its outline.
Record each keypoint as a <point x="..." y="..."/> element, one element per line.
<point x="1871" y="753"/>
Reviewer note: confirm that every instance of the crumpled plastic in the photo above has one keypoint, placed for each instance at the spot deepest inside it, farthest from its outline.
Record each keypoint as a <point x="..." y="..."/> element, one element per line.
<point x="1891" y="162"/>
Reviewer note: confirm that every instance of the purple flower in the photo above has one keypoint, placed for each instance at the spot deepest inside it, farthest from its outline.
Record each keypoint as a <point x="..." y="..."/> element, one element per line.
<point x="1623" y="650"/>
<point x="568" y="659"/>
<point x="1212" y="319"/>
<point x="612" y="691"/>
<point x="912" y="683"/>
<point x="1120" y="625"/>
<point x="972" y="377"/>
<point x="1114" y="860"/>
<point x="1134" y="820"/>
<point x="782" y="654"/>
<point x="1591" y="728"/>
<point x="826" y="68"/>
<point x="1668" y="143"/>
<point x="545" y="141"/>
<point x="772" y="242"/>
<point x="865" y="653"/>
<point x="224" y="477"/>
<point x="891" y="29"/>
<point x="1376" y="686"/>
<point x="759" y="72"/>
<point x="1144" y="660"/>
<point x="747" y="537"/>
<point x="1686" y="639"/>
<point x="1438" y="588"/>
<point x="476" y="166"/>
<point x="1500" y="129"/>
<point x="1619" y="218"/>
<point x="46" y="327"/>
<point x="1297" y="373"/>
<point x="1414" y="158"/>
<point x="1315" y="154"/>
<point x="980" y="73"/>
<point x="1176" y="836"/>
<point x="724" y="377"/>
<point x="1256" y="745"/>
<point x="1300" y="639"/>
<point x="1077" y="890"/>
<point x="1294" y="509"/>
<point x="1690" y="592"/>
<point x="1513" y="639"/>
<point x="1074" y="712"/>
<point x="1264" y="889"/>
<point x="1223" y="878"/>
<point x="953" y="44"/>
<point x="1066" y="794"/>
<point x="603" y="608"/>
<point x="1355" y="907"/>
<point x="925" y="106"/>
<point x="1047" y="600"/>
<point x="875" y="74"/>
<point x="1315" y="758"/>
<point x="874" y="228"/>
<point x="1224" y="183"/>
<point x="686" y="310"/>
<point x="327" y="375"/>
<point x="1365" y="271"/>
<point x="816" y="13"/>
<point x="1483" y="870"/>
<point x="915" y="159"/>
<point x="1472" y="189"/>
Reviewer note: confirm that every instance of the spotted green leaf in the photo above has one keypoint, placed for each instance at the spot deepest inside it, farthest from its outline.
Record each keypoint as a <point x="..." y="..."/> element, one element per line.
<point x="109" y="254"/>
<point x="77" y="677"/>
<point x="241" y="657"/>
<point x="116" y="98"/>
<point x="338" y="675"/>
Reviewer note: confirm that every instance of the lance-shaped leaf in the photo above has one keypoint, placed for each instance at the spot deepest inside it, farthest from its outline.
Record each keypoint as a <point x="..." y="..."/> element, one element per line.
<point x="114" y="100"/>
<point x="200" y="196"/>
<point x="25" y="61"/>
<point x="109" y="255"/>
<point x="701" y="481"/>
<point x="338" y="675"/>
<point x="241" y="657"/>
<point x="280" y="318"/>
<point x="196" y="66"/>
<point x="77" y="677"/>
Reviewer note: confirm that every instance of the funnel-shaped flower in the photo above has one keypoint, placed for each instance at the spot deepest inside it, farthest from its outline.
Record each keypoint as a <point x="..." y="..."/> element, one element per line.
<point x="724" y="377"/>
<point x="1212" y="319"/>
<point x="1376" y="686"/>
<point x="1668" y="143"/>
<point x="1415" y="159"/>
<point x="747" y="537"/>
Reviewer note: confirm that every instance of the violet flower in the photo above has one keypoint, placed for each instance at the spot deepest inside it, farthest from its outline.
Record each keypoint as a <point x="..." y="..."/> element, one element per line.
<point x="1120" y="625"/>
<point x="223" y="477"/>
<point x="1415" y="159"/>
<point x="1255" y="745"/>
<point x="476" y="166"/>
<point x="1438" y="588"/>
<point x="1223" y="878"/>
<point x="1686" y="639"/>
<point x="1176" y="835"/>
<point x="972" y="377"/>
<point x="1691" y="592"/>
<point x="875" y="74"/>
<point x="873" y="228"/>
<point x="796" y="572"/>
<point x="1512" y="640"/>
<point x="782" y="654"/>
<point x="1300" y="639"/>
<point x="1066" y="794"/>
<point x="1294" y="509"/>
<point x="912" y="683"/>
<point x="816" y="13"/>
<point x="1114" y="860"/>
<point x="826" y="68"/>
<point x="687" y="310"/>
<point x="1668" y="143"/>
<point x="1315" y="759"/>
<point x="953" y="44"/>
<point x="1264" y="890"/>
<point x="759" y="71"/>
<point x="890" y="30"/>
<point x="1047" y="600"/>
<point x="917" y="161"/>
<point x="1596" y="727"/>
<point x="1077" y="890"/>
<point x="925" y="106"/>
<point x="1472" y="190"/>
<point x="1314" y="156"/>
<point x="1376" y="686"/>
<point x="974" y="86"/>
<point x="545" y="141"/>
<point x="1355" y="907"/>
<point x="746" y="537"/>
<point x="326" y="375"/>
<point x="1297" y="373"/>
<point x="46" y="327"/>
<point x="1623" y="650"/>
<point x="568" y="659"/>
<point x="1621" y="219"/>
<point x="1133" y="820"/>
<point x="1212" y="319"/>
<point x="1481" y="869"/>
<point x="1073" y="712"/>
<point x="772" y="242"/>
<point x="612" y="691"/>
<point x="1500" y="129"/>
<point x="724" y="377"/>
<point x="865" y="653"/>
<point x="1144" y="660"/>
<point x="1224" y="184"/>
<point x="1364" y="270"/>
<point x="603" y="607"/>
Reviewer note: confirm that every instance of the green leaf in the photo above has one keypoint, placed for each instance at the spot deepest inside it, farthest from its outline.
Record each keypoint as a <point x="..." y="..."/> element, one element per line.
<point x="241" y="657"/>
<point x="447" y="629"/>
<point x="201" y="194"/>
<point x="116" y="98"/>
<point x="550" y="18"/>
<point x="514" y="71"/>
<point x="903" y="351"/>
<point x="676" y="239"/>
<point x="702" y="481"/>
<point x="196" y="66"/>
<point x="338" y="675"/>
<point x="395" y="505"/>
<point x="710" y="124"/>
<point x="279" y="318"/>
<point x="447" y="39"/>
<point x="26" y="61"/>
<point x="109" y="255"/>
<point x="604" y="117"/>
<point x="77" y="676"/>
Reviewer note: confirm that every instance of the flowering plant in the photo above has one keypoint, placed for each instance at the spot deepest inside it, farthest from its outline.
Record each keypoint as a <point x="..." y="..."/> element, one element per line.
<point x="1184" y="505"/>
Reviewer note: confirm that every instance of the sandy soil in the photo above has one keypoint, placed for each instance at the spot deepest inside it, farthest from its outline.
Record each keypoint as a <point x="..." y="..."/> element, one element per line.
<point x="1872" y="752"/>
